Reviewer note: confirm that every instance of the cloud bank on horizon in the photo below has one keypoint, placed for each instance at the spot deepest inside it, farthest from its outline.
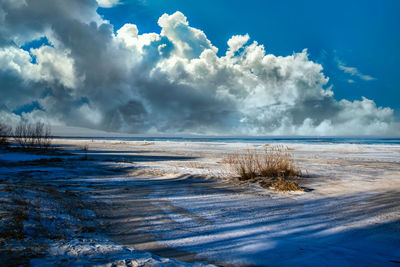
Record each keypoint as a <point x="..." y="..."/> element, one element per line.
<point x="85" y="74"/>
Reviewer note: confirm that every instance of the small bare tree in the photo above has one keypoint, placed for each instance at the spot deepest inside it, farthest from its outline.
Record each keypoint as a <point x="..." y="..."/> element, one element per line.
<point x="33" y="136"/>
<point x="5" y="133"/>
<point x="20" y="134"/>
<point x="46" y="137"/>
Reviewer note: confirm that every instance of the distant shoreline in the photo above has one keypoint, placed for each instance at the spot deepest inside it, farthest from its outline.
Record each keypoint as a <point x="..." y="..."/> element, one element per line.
<point x="294" y="139"/>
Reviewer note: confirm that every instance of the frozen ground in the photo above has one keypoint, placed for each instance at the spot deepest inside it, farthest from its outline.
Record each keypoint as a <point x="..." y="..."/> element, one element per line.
<point x="135" y="200"/>
<point x="48" y="216"/>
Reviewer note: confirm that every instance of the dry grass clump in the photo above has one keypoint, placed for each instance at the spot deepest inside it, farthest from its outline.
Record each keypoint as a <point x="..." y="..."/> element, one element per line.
<point x="285" y="184"/>
<point x="273" y="167"/>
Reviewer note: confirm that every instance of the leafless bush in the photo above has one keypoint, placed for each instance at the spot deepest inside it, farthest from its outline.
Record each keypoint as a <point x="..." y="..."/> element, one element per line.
<point x="5" y="133"/>
<point x="84" y="147"/>
<point x="274" y="166"/>
<point x="33" y="136"/>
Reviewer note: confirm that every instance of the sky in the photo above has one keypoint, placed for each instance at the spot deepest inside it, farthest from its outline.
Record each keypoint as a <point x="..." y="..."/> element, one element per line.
<point x="359" y="34"/>
<point x="202" y="67"/>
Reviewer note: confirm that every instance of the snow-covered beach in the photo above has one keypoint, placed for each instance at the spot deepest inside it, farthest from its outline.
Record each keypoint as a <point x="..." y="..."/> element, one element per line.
<point x="161" y="202"/>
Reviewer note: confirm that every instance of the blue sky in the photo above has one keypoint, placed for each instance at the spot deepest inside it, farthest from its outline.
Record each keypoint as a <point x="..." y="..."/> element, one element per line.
<point x="364" y="35"/>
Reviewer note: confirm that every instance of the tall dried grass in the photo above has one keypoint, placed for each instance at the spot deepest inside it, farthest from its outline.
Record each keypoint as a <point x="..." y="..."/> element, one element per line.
<point x="273" y="166"/>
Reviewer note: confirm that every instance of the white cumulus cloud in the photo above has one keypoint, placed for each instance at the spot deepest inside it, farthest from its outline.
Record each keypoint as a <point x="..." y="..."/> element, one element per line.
<point x="107" y="3"/>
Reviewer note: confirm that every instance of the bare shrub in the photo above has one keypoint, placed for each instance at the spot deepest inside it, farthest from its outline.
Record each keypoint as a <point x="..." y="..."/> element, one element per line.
<point x="84" y="147"/>
<point x="273" y="166"/>
<point x="33" y="136"/>
<point x="5" y="133"/>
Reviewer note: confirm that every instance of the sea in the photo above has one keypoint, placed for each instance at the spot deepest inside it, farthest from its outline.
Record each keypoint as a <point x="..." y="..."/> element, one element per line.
<point x="250" y="139"/>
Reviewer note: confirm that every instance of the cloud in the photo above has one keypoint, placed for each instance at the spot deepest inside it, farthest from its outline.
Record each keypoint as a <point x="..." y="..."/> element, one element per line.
<point x="108" y="3"/>
<point x="235" y="43"/>
<point x="172" y="81"/>
<point x="355" y="72"/>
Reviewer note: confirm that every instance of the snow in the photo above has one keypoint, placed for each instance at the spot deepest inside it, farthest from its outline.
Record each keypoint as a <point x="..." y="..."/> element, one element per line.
<point x="95" y="252"/>
<point x="15" y="157"/>
<point x="252" y="230"/>
<point x="51" y="201"/>
<point x="350" y="215"/>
